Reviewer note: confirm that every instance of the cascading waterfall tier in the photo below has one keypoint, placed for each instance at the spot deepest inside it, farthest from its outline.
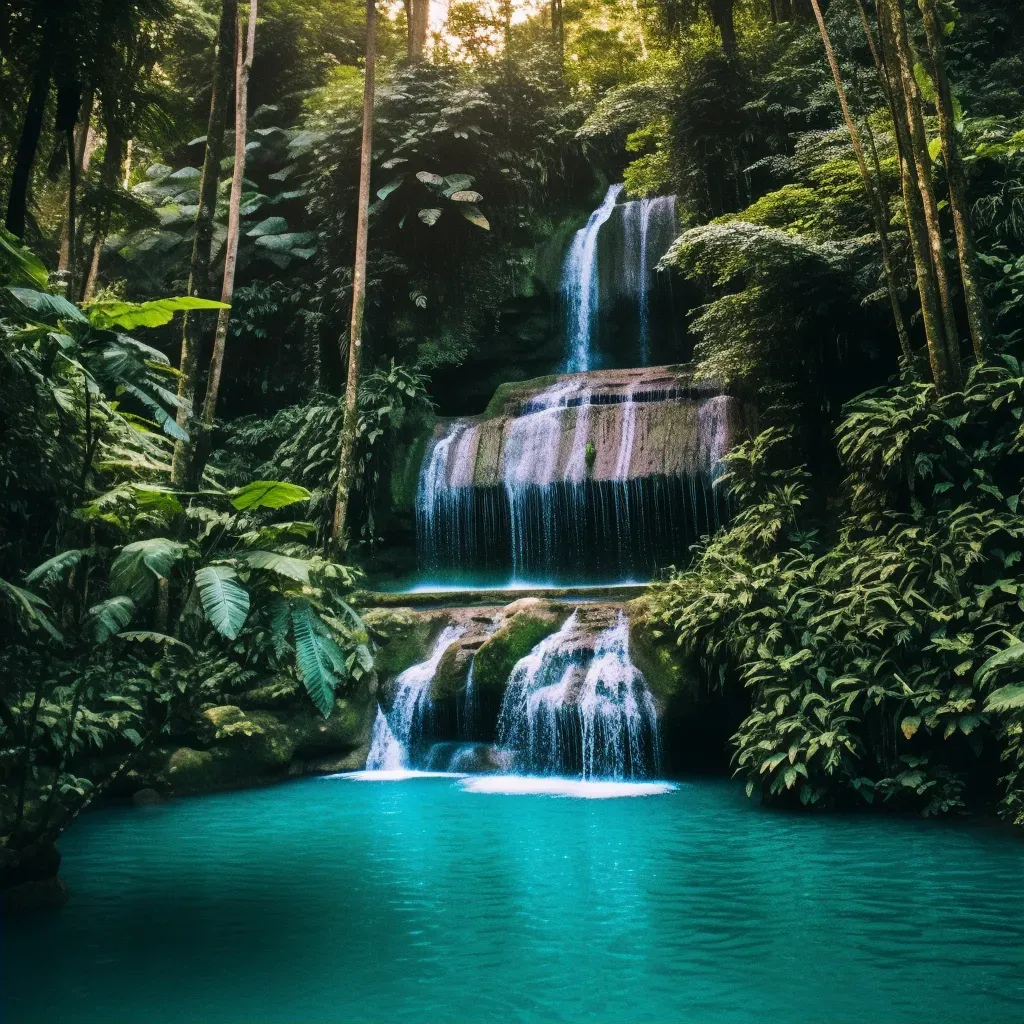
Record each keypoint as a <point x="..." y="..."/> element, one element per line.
<point x="611" y="262"/>
<point x="398" y="736"/>
<point x="576" y="704"/>
<point x="607" y="476"/>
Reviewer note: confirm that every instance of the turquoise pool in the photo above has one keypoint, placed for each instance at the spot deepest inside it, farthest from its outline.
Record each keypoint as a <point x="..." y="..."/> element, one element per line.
<point x="418" y="900"/>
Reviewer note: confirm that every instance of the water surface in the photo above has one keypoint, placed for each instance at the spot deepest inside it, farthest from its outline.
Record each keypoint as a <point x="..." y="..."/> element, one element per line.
<point x="424" y="900"/>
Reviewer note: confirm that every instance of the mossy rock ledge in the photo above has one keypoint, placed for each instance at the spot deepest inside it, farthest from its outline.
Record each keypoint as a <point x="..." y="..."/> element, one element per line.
<point x="672" y="685"/>
<point x="525" y="623"/>
<point x="236" y="745"/>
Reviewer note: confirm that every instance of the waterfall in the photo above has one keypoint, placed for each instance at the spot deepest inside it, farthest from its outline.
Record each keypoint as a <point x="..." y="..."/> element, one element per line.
<point x="577" y="704"/>
<point x="532" y="444"/>
<point x="616" y="264"/>
<point x="580" y="284"/>
<point x="582" y="480"/>
<point x="657" y="219"/>
<point x="397" y="735"/>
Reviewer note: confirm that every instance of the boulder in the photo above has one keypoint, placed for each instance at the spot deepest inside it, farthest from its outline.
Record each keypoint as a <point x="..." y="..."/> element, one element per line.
<point x="147" y="798"/>
<point x="403" y="637"/>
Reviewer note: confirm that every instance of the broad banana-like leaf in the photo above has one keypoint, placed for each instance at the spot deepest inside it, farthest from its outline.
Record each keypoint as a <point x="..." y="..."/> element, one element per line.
<point x="1012" y="655"/>
<point x="283" y="565"/>
<point x="155" y="313"/>
<point x="139" y="565"/>
<point x="109" y="617"/>
<point x="47" y="306"/>
<point x="268" y="494"/>
<point x="225" y="600"/>
<point x="58" y="565"/>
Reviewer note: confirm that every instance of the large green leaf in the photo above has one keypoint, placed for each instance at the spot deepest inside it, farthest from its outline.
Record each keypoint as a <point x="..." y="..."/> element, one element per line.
<point x="144" y="635"/>
<point x="1013" y="655"/>
<point x="472" y="213"/>
<point x="1006" y="698"/>
<point x="47" y="306"/>
<point x="22" y="263"/>
<point x="139" y="565"/>
<point x="31" y="607"/>
<point x="155" y="313"/>
<point x="283" y="565"/>
<point x="268" y="494"/>
<point x="225" y="600"/>
<point x="319" y="659"/>
<point x="109" y="617"/>
<point x="58" y="565"/>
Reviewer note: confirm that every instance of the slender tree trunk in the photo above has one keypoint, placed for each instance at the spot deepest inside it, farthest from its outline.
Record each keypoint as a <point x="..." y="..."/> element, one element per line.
<point x="110" y="176"/>
<point x="956" y="178"/>
<point x="244" y="50"/>
<point x="417" y="16"/>
<point x="723" y="15"/>
<point x="202" y="245"/>
<point x="880" y="217"/>
<point x="347" y="444"/>
<point x="945" y="367"/>
<point x="918" y="139"/>
<point x="69" y="239"/>
<point x="31" y="129"/>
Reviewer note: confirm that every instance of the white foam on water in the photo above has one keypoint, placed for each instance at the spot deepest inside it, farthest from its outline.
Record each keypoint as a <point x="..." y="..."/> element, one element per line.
<point x="579" y="789"/>
<point x="397" y="775"/>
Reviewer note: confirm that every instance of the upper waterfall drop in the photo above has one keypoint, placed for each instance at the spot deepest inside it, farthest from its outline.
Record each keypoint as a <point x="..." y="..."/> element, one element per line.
<point x="611" y="262"/>
<point x="580" y="285"/>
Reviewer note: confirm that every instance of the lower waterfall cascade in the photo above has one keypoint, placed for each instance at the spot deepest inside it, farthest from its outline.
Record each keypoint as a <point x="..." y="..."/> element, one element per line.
<point x="573" y="707"/>
<point x="575" y="704"/>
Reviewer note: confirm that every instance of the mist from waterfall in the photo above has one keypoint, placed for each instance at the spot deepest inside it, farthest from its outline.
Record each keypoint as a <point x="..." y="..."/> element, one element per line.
<point x="577" y="704"/>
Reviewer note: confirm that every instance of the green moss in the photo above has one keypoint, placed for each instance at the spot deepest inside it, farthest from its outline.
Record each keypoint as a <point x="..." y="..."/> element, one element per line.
<point x="402" y="638"/>
<point x="517" y="636"/>
<point x="513" y="393"/>
<point x="189" y="769"/>
<point x="405" y="467"/>
<point x="658" y="659"/>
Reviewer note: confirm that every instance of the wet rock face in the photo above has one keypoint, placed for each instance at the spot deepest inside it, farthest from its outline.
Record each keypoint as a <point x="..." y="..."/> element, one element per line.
<point x="607" y="474"/>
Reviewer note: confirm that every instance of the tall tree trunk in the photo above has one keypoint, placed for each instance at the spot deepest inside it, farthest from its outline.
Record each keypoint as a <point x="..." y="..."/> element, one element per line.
<point x="918" y="138"/>
<point x="347" y="443"/>
<point x="83" y="140"/>
<point x="110" y="177"/>
<point x="944" y="360"/>
<point x="31" y="129"/>
<point x="878" y="211"/>
<point x="202" y="245"/>
<point x="244" y="51"/>
<point x="417" y="17"/>
<point x="723" y="15"/>
<point x="956" y="178"/>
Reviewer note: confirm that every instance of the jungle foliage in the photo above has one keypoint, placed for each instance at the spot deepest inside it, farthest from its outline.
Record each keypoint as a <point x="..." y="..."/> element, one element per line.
<point x="867" y="596"/>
